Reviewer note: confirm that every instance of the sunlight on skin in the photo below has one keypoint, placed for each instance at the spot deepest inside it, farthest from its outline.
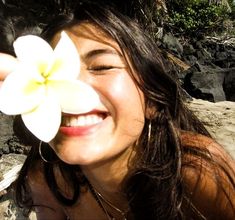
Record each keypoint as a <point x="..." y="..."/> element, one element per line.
<point x="7" y="64"/>
<point x="44" y="84"/>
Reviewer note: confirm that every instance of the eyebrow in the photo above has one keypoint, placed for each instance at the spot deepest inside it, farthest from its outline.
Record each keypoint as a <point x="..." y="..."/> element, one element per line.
<point x="94" y="53"/>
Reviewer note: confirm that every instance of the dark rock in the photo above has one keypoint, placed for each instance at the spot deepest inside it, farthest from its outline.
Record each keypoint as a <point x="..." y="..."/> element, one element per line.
<point x="211" y="75"/>
<point x="173" y="44"/>
<point x="6" y="130"/>
<point x="229" y="84"/>
<point x="222" y="55"/>
<point x="15" y="146"/>
<point x="232" y="54"/>
<point x="198" y="45"/>
<point x="221" y="59"/>
<point x="231" y="59"/>
<point x="5" y="149"/>
<point x="205" y="83"/>
<point x="190" y="59"/>
<point x="8" y="142"/>
<point x="188" y="49"/>
<point x="203" y="55"/>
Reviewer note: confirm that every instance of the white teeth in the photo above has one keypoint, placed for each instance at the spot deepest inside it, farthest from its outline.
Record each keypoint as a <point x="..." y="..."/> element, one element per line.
<point x="81" y="120"/>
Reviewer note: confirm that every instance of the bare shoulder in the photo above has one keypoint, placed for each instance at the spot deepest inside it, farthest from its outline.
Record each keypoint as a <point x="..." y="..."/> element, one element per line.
<point x="48" y="208"/>
<point x="208" y="177"/>
<point x="45" y="204"/>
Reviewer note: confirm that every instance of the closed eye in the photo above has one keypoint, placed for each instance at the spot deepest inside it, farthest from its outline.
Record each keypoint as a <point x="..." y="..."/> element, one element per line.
<point x="101" y="68"/>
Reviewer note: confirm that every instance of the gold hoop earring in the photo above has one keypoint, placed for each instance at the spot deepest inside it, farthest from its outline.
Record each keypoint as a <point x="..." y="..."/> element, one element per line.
<point x="42" y="157"/>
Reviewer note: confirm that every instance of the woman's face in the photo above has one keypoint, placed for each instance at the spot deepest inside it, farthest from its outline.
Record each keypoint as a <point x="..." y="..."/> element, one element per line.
<point x="116" y="123"/>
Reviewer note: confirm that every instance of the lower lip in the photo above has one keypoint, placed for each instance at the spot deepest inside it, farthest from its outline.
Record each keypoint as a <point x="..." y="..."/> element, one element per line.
<point x="78" y="131"/>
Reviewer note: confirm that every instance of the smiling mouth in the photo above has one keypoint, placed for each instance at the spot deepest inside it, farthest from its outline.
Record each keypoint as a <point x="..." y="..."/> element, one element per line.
<point x="81" y="125"/>
<point x="83" y="120"/>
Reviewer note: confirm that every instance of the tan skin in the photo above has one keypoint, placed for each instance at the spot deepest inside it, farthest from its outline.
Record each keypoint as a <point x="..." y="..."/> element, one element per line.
<point x="105" y="162"/>
<point x="210" y="204"/>
<point x="208" y="197"/>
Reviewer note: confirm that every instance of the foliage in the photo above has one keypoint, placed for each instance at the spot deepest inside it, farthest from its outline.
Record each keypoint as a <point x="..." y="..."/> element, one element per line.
<point x="232" y="5"/>
<point x="195" y="16"/>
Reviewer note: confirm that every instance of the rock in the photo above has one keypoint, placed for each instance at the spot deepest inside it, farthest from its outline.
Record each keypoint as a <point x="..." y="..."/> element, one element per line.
<point x="219" y="118"/>
<point x="204" y="82"/>
<point x="222" y="52"/>
<point x="10" y="164"/>
<point x="203" y="55"/>
<point x="9" y="143"/>
<point x="9" y="210"/>
<point x="214" y="80"/>
<point x="190" y="59"/>
<point x="173" y="44"/>
<point x="188" y="49"/>
<point x="229" y="84"/>
<point x="6" y="131"/>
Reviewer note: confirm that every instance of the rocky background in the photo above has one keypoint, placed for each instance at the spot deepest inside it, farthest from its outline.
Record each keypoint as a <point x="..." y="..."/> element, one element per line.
<point x="208" y="68"/>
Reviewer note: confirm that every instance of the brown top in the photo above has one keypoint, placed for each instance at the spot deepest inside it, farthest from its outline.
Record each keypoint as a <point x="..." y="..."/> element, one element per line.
<point x="199" y="180"/>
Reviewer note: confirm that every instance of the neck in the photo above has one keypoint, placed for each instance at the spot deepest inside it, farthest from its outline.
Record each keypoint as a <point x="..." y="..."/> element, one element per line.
<point x="108" y="177"/>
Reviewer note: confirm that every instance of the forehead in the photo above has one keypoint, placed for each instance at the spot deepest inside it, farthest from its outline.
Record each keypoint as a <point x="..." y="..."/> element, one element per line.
<point x="88" y="30"/>
<point x="86" y="36"/>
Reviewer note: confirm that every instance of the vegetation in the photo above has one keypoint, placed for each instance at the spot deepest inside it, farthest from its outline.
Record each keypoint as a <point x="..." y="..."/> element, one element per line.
<point x="232" y="5"/>
<point x="193" y="17"/>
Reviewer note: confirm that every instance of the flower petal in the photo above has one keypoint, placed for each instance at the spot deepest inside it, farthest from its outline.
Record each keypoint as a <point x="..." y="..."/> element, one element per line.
<point x="75" y="96"/>
<point x="67" y="60"/>
<point x="34" y="50"/>
<point x="44" y="121"/>
<point x="19" y="94"/>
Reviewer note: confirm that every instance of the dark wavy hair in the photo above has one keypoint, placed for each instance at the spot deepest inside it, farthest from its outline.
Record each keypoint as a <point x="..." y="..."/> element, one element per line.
<point x="154" y="185"/>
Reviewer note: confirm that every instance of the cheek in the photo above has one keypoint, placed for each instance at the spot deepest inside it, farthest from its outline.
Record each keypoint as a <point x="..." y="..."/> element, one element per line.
<point x="119" y="85"/>
<point x="122" y="92"/>
<point x="126" y="101"/>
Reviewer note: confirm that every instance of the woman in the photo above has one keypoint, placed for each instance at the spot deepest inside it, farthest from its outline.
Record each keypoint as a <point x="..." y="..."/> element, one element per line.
<point x="141" y="154"/>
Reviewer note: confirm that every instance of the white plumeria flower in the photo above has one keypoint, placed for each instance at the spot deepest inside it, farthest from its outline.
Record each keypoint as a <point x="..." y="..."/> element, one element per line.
<point x="44" y="84"/>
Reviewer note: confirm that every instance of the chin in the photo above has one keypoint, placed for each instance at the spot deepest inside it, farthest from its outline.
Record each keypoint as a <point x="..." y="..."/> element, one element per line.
<point x="76" y="155"/>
